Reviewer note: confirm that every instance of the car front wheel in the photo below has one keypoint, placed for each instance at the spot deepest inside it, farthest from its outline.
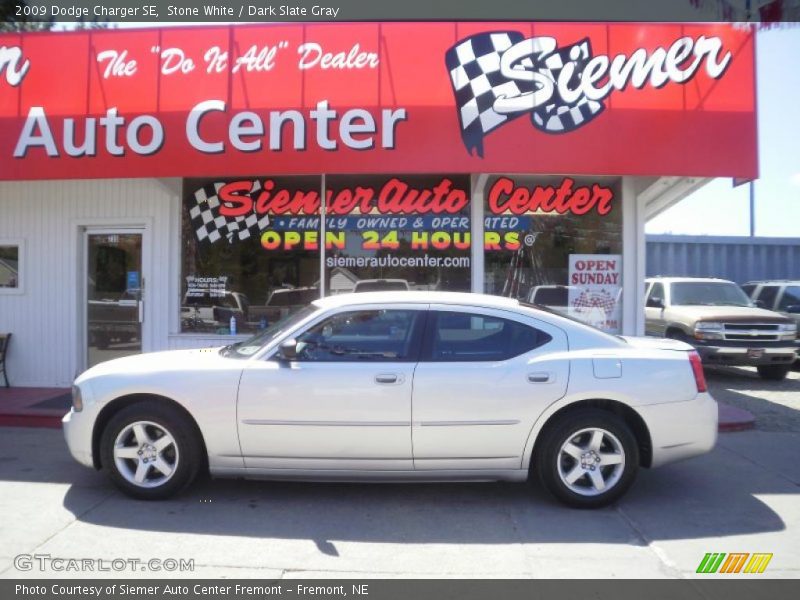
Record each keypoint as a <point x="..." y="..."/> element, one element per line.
<point x="587" y="458"/>
<point x="150" y="451"/>
<point x="773" y="372"/>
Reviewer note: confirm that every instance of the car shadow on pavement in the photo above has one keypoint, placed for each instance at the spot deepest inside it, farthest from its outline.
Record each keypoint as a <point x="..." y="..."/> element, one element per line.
<point x="707" y="497"/>
<point x="717" y="495"/>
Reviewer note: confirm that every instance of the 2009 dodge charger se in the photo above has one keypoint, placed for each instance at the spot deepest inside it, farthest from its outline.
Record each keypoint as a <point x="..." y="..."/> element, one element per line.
<point x="400" y="386"/>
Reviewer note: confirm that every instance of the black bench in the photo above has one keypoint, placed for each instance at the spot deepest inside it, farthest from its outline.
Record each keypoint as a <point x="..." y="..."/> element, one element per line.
<point x="5" y="338"/>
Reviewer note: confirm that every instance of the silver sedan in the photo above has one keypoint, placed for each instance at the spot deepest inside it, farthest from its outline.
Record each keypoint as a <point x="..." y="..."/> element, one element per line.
<point x="400" y="386"/>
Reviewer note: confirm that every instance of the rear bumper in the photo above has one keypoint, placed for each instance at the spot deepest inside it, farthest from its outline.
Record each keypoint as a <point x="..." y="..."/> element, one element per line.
<point x="680" y="430"/>
<point x="748" y="354"/>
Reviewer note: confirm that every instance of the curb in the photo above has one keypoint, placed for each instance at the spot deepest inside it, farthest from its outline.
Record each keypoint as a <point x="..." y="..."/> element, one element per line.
<point x="732" y="419"/>
<point x="40" y="421"/>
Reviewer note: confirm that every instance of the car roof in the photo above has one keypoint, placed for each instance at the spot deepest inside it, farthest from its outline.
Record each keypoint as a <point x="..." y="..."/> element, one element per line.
<point x="681" y="279"/>
<point x="422" y="297"/>
<point x="774" y="281"/>
<point x="380" y="279"/>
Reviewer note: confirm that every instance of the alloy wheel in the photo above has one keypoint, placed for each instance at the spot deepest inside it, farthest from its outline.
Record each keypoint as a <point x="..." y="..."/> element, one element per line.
<point x="146" y="454"/>
<point x="591" y="461"/>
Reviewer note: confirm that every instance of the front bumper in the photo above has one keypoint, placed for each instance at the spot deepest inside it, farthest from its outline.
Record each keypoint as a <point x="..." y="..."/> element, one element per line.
<point x="747" y="353"/>
<point x="78" y="434"/>
<point x="680" y="430"/>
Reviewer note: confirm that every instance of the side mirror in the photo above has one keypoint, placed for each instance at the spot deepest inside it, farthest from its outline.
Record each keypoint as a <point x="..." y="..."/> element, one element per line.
<point x="793" y="308"/>
<point x="288" y="350"/>
<point x="656" y="302"/>
<point x="760" y="304"/>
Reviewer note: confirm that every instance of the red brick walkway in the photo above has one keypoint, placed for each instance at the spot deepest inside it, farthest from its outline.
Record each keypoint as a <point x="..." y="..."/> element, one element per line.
<point x="18" y="407"/>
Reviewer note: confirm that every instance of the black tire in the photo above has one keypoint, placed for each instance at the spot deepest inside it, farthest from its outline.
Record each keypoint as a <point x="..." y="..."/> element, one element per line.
<point x="558" y="432"/>
<point x="773" y="372"/>
<point x="677" y="334"/>
<point x="186" y="451"/>
<point x="102" y="341"/>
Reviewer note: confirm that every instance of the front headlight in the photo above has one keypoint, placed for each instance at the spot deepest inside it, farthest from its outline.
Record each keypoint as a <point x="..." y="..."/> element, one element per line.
<point x="787" y="327"/>
<point x="709" y="330"/>
<point x="77" y="399"/>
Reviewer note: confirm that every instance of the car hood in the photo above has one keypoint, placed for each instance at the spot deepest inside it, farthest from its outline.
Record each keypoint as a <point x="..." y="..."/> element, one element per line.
<point x="731" y="314"/>
<point x="153" y="362"/>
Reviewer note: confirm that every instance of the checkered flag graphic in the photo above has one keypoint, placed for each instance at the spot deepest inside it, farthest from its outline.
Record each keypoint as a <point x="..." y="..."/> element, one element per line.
<point x="209" y="225"/>
<point x="587" y="300"/>
<point x="474" y="67"/>
<point x="560" y="116"/>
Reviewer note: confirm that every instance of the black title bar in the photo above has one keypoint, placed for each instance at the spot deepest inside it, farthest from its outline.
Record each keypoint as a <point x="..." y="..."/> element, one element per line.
<point x="164" y="11"/>
<point x="376" y="589"/>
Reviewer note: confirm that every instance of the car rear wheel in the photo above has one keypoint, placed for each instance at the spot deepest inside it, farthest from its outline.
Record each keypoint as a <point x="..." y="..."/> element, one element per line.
<point x="150" y="451"/>
<point x="773" y="372"/>
<point x="587" y="458"/>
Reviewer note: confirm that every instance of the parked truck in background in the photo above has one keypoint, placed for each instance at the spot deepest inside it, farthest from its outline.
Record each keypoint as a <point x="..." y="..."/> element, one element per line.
<point x="782" y="296"/>
<point x="722" y="323"/>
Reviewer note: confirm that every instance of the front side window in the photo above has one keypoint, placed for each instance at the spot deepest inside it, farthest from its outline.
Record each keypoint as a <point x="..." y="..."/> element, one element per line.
<point x="459" y="337"/>
<point x="656" y="293"/>
<point x="364" y="335"/>
<point x="708" y="293"/>
<point x="791" y="297"/>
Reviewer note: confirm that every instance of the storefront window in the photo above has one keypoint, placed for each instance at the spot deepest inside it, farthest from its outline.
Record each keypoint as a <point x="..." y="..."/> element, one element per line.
<point x="556" y="241"/>
<point x="9" y="266"/>
<point x="250" y="251"/>
<point x="397" y="233"/>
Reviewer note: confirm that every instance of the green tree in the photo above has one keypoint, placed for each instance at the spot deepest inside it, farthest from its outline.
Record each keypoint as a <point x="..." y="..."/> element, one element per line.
<point x="12" y="21"/>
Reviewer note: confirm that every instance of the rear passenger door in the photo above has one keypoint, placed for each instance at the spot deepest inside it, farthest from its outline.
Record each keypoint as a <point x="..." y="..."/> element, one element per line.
<point x="484" y="377"/>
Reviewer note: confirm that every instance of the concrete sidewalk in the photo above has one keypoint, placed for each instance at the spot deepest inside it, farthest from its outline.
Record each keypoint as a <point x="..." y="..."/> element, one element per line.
<point x="743" y="497"/>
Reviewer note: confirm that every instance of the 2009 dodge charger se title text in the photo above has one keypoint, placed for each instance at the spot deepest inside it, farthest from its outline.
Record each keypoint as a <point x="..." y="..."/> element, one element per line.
<point x="400" y="386"/>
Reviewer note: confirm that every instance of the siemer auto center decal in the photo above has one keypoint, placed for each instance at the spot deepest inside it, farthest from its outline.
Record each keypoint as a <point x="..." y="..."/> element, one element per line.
<point x="379" y="97"/>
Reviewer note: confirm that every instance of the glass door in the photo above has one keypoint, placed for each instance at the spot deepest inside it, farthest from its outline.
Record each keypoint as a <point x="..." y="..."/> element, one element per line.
<point x="114" y="295"/>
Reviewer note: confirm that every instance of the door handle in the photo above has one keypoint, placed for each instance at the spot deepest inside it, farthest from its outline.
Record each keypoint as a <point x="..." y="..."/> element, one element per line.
<point x="387" y="378"/>
<point x="541" y="377"/>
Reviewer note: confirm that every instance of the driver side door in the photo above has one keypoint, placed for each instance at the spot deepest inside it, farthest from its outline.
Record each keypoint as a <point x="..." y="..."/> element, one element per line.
<point x="344" y="402"/>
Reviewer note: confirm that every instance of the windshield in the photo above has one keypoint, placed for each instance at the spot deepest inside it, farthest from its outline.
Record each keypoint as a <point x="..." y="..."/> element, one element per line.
<point x="708" y="293"/>
<point x="250" y="346"/>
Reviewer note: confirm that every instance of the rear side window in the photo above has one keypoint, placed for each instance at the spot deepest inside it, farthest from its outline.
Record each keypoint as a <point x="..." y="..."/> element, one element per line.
<point x="463" y="337"/>
<point x="768" y="295"/>
<point x="552" y="296"/>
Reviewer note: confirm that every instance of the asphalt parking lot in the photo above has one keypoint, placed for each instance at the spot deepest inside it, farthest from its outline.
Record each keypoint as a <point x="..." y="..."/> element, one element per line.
<point x="743" y="497"/>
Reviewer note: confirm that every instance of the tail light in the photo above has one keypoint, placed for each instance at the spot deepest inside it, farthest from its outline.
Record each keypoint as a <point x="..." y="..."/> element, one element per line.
<point x="697" y="369"/>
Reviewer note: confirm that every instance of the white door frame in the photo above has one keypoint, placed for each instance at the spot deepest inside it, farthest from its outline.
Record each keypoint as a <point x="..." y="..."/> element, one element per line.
<point x="98" y="227"/>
